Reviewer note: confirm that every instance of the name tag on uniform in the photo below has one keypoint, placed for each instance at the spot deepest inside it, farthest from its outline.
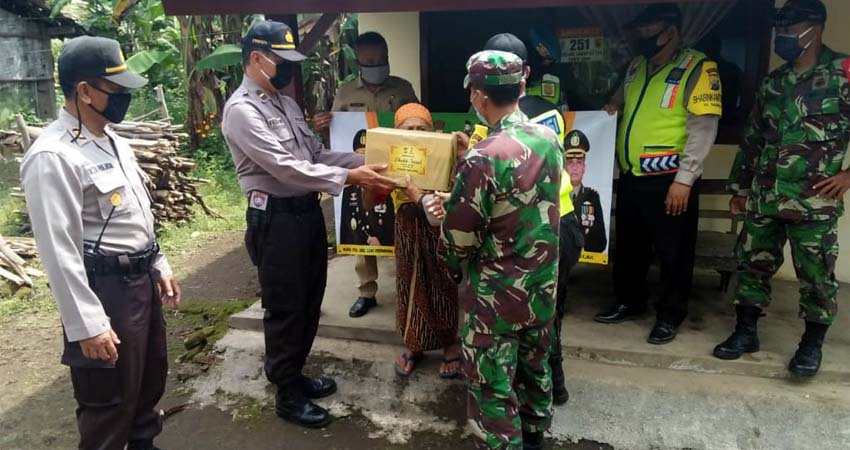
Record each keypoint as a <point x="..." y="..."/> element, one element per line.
<point x="274" y="122"/>
<point x="259" y="200"/>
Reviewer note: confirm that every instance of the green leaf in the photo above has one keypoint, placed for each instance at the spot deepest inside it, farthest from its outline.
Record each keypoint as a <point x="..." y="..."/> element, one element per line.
<point x="142" y="61"/>
<point x="225" y="55"/>
<point x="57" y="8"/>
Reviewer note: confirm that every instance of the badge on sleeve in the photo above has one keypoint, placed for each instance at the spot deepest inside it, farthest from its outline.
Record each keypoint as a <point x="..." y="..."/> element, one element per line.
<point x="259" y="200"/>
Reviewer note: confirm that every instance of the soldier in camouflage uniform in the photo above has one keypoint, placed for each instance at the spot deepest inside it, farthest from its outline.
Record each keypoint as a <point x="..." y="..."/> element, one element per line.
<point x="501" y="228"/>
<point x="788" y="178"/>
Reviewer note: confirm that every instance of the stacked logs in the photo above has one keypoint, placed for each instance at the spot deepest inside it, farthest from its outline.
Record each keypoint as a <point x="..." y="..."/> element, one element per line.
<point x="173" y="190"/>
<point x="14" y="255"/>
<point x="168" y="176"/>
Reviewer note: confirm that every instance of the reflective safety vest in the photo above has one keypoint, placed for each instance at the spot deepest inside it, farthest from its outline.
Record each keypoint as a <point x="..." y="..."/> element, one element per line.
<point x="566" y="189"/>
<point x="652" y="132"/>
<point x="549" y="88"/>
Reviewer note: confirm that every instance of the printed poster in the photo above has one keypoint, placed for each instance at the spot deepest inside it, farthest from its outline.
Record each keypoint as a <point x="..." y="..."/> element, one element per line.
<point x="362" y="232"/>
<point x="371" y="232"/>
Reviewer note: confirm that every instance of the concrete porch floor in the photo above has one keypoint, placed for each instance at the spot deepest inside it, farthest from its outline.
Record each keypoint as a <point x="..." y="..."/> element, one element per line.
<point x="711" y="320"/>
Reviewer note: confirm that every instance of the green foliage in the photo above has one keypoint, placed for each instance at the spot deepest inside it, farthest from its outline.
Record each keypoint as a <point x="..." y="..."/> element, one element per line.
<point x="142" y="61"/>
<point x="225" y="55"/>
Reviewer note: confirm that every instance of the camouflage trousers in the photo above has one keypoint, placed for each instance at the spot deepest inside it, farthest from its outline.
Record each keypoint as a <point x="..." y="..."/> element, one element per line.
<point x="510" y="386"/>
<point x="814" y="250"/>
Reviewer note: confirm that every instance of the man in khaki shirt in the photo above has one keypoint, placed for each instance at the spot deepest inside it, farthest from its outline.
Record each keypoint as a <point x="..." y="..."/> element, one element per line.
<point x="375" y="90"/>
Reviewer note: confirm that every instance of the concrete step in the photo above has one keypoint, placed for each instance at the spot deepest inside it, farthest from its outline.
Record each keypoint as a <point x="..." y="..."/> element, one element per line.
<point x="710" y="322"/>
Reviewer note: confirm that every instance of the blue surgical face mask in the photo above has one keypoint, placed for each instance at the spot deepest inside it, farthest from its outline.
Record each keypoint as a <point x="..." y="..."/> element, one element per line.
<point x="787" y="46"/>
<point x="375" y="75"/>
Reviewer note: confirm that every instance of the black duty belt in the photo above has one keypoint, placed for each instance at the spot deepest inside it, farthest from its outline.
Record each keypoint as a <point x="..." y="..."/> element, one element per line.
<point x="292" y="205"/>
<point x="126" y="264"/>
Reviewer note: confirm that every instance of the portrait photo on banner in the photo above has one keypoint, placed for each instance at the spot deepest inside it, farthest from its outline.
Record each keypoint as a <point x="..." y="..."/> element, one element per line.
<point x="590" y="166"/>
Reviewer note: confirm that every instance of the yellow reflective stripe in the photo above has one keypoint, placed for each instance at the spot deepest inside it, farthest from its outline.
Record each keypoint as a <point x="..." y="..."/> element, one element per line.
<point x="115" y="69"/>
<point x="283" y="46"/>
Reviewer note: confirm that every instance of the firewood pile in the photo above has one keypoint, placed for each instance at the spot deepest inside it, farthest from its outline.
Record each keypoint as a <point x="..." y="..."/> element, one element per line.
<point x="15" y="254"/>
<point x="173" y="189"/>
<point x="168" y="176"/>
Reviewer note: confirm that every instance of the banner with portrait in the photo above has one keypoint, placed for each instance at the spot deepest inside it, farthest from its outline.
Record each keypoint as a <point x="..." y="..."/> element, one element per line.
<point x="362" y="231"/>
<point x="370" y="232"/>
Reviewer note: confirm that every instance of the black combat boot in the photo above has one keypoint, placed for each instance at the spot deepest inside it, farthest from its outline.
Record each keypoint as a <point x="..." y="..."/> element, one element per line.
<point x="532" y="441"/>
<point x="292" y="405"/>
<point x="745" y="338"/>
<point x="560" y="394"/>
<point x="806" y="361"/>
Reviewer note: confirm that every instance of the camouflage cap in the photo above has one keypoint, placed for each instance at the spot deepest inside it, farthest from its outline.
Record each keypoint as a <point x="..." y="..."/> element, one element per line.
<point x="493" y="68"/>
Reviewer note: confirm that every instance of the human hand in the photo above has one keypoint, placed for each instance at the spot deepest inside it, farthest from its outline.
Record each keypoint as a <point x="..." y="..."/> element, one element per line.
<point x="369" y="176"/>
<point x="677" y="199"/>
<point x="169" y="291"/>
<point x="611" y="109"/>
<point x="738" y="204"/>
<point x="322" y="120"/>
<point x="436" y="204"/>
<point x="372" y="240"/>
<point x="836" y="186"/>
<point x="412" y="192"/>
<point x="462" y="143"/>
<point x="102" y="346"/>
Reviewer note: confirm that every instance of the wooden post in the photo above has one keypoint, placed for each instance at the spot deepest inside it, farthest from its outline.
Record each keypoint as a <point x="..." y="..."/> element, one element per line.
<point x="26" y="140"/>
<point x="163" y="107"/>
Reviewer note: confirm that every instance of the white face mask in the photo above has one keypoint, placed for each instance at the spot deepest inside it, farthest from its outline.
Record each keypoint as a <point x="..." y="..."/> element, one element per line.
<point x="481" y="117"/>
<point x="375" y="75"/>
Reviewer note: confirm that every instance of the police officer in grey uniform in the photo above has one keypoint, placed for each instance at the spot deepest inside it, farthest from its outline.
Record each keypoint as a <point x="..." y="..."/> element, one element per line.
<point x="91" y="216"/>
<point x="282" y="168"/>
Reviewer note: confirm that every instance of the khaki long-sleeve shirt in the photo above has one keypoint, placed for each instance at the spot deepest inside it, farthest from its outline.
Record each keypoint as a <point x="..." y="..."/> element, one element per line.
<point x="71" y="187"/>
<point x="274" y="149"/>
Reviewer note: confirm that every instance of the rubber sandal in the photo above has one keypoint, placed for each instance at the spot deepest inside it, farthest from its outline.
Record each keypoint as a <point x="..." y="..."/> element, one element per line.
<point x="453" y="375"/>
<point x="408" y="358"/>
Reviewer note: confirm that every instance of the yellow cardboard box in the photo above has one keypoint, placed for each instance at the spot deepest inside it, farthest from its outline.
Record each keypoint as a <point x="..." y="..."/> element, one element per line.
<point x="428" y="158"/>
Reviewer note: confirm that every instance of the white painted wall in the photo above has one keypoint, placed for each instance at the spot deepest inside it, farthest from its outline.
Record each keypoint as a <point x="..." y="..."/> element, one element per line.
<point x="402" y="33"/>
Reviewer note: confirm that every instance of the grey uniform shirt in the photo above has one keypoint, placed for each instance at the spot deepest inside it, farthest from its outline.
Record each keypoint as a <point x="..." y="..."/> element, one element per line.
<point x="701" y="129"/>
<point x="274" y="149"/>
<point x="70" y="187"/>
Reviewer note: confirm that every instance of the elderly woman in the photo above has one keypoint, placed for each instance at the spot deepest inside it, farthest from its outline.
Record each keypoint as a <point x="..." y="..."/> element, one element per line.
<point x="427" y="314"/>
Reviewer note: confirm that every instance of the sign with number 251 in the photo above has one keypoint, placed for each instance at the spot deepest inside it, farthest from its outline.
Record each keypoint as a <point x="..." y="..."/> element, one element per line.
<point x="582" y="44"/>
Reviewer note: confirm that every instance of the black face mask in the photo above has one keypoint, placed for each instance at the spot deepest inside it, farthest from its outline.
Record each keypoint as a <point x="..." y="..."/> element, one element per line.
<point x="116" y="106"/>
<point x="648" y="46"/>
<point x="283" y="73"/>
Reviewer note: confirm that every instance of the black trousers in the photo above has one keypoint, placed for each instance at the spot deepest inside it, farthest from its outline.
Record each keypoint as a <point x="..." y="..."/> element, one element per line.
<point x="116" y="404"/>
<point x="645" y="231"/>
<point x="289" y="245"/>
<point x="570" y="247"/>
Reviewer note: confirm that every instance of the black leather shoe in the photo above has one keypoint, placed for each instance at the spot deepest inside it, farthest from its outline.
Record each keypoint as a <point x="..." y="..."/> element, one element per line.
<point x="743" y="340"/>
<point x="301" y="411"/>
<point x="662" y="333"/>
<point x="532" y="441"/>
<point x="806" y="361"/>
<point x="321" y="387"/>
<point x="362" y="306"/>
<point x="619" y="314"/>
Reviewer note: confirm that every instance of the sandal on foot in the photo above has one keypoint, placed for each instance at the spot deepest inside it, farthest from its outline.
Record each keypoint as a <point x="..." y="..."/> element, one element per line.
<point x="408" y="357"/>
<point x="451" y="375"/>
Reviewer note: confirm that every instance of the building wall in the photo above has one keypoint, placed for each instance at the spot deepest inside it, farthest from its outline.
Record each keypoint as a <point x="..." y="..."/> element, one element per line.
<point x="26" y="68"/>
<point x="402" y="33"/>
